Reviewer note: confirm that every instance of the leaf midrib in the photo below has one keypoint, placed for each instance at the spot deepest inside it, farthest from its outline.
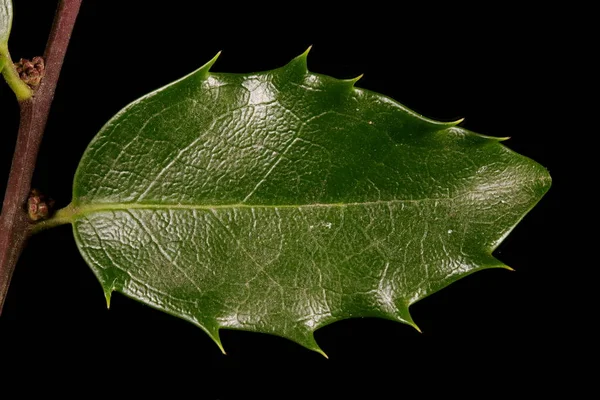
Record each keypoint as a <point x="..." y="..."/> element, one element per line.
<point x="84" y="209"/>
<point x="73" y="211"/>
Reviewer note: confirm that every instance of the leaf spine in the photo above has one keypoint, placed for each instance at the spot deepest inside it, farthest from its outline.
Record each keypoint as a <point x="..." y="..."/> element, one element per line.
<point x="217" y="339"/>
<point x="457" y="122"/>
<point x="204" y="70"/>
<point x="351" y="82"/>
<point x="299" y="64"/>
<point x="403" y="315"/>
<point x="108" y="296"/>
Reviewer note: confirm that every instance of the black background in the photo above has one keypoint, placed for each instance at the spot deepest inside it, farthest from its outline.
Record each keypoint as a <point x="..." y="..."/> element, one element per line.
<point x="446" y="63"/>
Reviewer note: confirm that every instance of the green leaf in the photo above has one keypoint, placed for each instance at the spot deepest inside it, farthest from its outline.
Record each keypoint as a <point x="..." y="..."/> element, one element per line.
<point x="22" y="91"/>
<point x="283" y="201"/>
<point x="6" y="14"/>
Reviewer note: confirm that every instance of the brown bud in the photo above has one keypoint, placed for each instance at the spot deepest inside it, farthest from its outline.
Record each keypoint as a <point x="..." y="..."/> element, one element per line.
<point x="31" y="72"/>
<point x="38" y="206"/>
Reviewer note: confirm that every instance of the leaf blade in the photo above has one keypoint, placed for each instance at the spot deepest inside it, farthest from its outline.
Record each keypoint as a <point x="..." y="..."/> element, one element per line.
<point x="6" y="15"/>
<point x="283" y="201"/>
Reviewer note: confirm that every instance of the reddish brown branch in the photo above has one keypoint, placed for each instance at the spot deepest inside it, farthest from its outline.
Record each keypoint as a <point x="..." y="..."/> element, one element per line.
<point x="14" y="224"/>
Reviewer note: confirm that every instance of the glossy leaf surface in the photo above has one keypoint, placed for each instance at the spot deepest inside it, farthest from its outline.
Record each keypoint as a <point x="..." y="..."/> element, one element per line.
<point x="283" y="201"/>
<point x="6" y="14"/>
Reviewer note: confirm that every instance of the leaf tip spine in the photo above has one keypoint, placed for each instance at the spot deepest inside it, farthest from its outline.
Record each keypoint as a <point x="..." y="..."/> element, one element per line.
<point x="494" y="138"/>
<point x="300" y="62"/>
<point x="321" y="352"/>
<point x="305" y="53"/>
<point x="310" y="343"/>
<point x="214" y="335"/>
<point x="352" y="82"/>
<point x="316" y="348"/>
<point x="414" y="325"/>
<point x="108" y="296"/>
<point x="405" y="317"/>
<point x="217" y="340"/>
<point x="205" y="69"/>
<point x="457" y="122"/>
<point x="493" y="263"/>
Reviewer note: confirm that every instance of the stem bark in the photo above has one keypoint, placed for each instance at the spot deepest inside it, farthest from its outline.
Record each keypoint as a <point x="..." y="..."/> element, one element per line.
<point x="14" y="223"/>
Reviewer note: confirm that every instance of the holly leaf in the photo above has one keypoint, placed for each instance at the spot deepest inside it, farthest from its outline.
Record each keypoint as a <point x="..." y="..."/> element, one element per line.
<point x="283" y="201"/>
<point x="6" y="15"/>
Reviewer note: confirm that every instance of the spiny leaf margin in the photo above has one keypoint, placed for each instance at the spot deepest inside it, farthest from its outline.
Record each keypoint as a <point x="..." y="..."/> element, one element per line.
<point x="79" y="209"/>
